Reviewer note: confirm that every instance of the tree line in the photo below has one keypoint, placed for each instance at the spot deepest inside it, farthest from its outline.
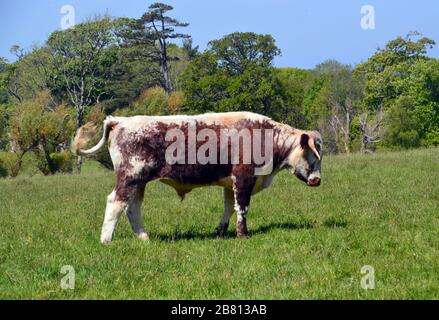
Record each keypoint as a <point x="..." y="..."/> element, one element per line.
<point x="126" y="66"/>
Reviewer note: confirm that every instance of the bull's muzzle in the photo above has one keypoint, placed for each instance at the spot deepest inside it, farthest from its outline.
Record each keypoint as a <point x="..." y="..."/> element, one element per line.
<point x="314" y="182"/>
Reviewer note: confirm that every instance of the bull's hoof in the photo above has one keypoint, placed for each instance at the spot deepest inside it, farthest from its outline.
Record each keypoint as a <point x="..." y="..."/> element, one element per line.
<point x="143" y="236"/>
<point x="241" y="230"/>
<point x="241" y="235"/>
<point x="105" y="241"/>
<point x="221" y="231"/>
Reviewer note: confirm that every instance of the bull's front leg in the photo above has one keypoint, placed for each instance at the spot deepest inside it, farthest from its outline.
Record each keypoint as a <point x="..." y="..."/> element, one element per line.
<point x="242" y="193"/>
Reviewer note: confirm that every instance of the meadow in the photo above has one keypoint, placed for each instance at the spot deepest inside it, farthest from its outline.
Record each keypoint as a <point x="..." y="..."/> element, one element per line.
<point x="380" y="210"/>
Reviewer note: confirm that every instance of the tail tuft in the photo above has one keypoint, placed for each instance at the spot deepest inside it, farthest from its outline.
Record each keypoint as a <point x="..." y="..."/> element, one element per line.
<point x="83" y="136"/>
<point x="86" y="133"/>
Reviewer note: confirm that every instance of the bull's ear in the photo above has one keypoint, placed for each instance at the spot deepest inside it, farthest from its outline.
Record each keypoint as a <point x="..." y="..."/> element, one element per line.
<point x="308" y="142"/>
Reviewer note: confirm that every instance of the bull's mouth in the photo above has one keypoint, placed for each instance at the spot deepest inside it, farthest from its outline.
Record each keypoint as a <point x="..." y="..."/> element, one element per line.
<point x="300" y="177"/>
<point x="313" y="182"/>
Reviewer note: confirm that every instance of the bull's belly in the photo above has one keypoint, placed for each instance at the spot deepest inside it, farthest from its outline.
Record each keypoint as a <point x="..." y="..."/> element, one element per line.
<point x="183" y="188"/>
<point x="262" y="182"/>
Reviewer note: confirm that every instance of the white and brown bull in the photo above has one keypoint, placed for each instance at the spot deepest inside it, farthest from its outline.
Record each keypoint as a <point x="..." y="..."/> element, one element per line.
<point x="139" y="148"/>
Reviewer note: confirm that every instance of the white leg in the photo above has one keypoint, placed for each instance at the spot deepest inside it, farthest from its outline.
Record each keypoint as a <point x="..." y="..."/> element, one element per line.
<point x="135" y="215"/>
<point x="229" y="201"/>
<point x="112" y="213"/>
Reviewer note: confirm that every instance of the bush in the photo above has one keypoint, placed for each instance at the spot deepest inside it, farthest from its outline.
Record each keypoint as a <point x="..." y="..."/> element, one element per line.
<point x="402" y="125"/>
<point x="4" y="119"/>
<point x="175" y="102"/>
<point x="10" y="164"/>
<point x="36" y="126"/>
<point x="152" y="101"/>
<point x="3" y="171"/>
<point x="62" y="161"/>
<point x="96" y="114"/>
<point x="431" y="139"/>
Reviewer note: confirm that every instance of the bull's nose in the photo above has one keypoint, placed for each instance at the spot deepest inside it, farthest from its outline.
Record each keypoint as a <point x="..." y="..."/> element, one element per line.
<point x="314" y="182"/>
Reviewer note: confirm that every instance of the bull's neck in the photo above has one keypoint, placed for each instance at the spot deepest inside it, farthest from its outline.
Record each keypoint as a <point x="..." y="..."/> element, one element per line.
<point x="286" y="140"/>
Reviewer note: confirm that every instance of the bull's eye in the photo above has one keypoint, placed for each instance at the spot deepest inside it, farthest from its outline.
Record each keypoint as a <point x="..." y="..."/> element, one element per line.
<point x="318" y="148"/>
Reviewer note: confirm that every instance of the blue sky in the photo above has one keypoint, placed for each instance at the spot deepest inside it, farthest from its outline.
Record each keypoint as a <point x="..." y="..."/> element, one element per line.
<point x="307" y="31"/>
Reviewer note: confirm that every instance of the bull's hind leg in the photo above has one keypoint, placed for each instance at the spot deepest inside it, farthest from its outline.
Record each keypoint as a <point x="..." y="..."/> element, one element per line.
<point x="229" y="201"/>
<point x="135" y="215"/>
<point x="114" y="209"/>
<point x="117" y="202"/>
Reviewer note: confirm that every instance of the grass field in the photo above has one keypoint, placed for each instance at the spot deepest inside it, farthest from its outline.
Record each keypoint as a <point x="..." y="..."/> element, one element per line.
<point x="380" y="210"/>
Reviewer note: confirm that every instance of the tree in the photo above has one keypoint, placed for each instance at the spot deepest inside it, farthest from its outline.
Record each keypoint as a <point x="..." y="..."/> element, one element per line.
<point x="344" y="99"/>
<point x="371" y="130"/>
<point x="332" y="103"/>
<point x="235" y="73"/>
<point x="4" y="121"/>
<point x="257" y="89"/>
<point x="295" y="82"/>
<point x="82" y="58"/>
<point x="422" y="87"/>
<point x="402" y="69"/>
<point x="204" y="83"/>
<point x="389" y="65"/>
<point x="9" y="80"/>
<point x="402" y="124"/>
<point x="4" y="103"/>
<point x="188" y="47"/>
<point x="37" y="126"/>
<point x="161" y="28"/>
<point x="137" y="68"/>
<point x="128" y="76"/>
<point x="237" y="50"/>
<point x="29" y="75"/>
<point x="178" y="64"/>
<point x="4" y="94"/>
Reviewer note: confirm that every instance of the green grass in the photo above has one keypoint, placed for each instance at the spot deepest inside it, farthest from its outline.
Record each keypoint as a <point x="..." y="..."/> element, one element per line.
<point x="380" y="210"/>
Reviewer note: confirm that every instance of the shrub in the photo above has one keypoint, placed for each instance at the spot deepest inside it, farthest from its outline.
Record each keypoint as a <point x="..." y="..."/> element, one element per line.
<point x="96" y="114"/>
<point x="38" y="127"/>
<point x="62" y="161"/>
<point x="3" y="171"/>
<point x="432" y="138"/>
<point x="175" y="102"/>
<point x="402" y="125"/>
<point x="10" y="164"/>
<point x="152" y="101"/>
<point x="4" y="119"/>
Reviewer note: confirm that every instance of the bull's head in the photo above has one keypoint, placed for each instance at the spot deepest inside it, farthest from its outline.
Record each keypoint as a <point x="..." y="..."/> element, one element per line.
<point x="305" y="160"/>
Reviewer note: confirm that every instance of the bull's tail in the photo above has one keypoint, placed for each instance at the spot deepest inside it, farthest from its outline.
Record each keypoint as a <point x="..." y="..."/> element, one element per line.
<point x="86" y="133"/>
